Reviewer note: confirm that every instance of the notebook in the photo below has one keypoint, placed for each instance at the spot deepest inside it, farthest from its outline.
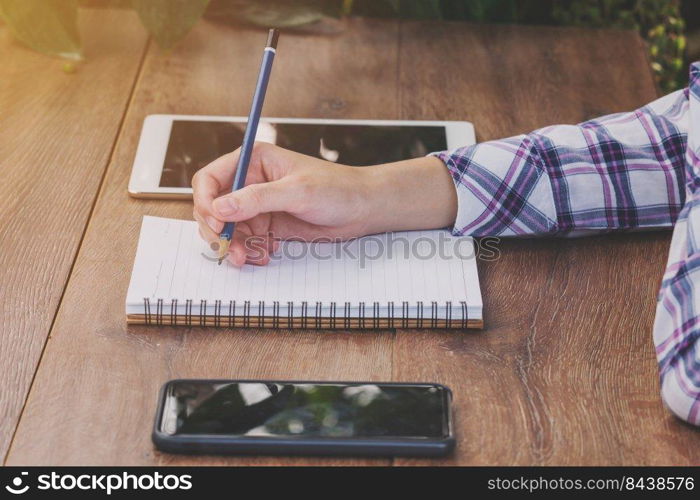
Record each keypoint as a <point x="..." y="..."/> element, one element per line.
<point x="415" y="279"/>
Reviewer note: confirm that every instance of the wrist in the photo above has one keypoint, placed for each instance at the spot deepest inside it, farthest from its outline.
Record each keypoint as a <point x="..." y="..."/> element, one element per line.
<point x="410" y="195"/>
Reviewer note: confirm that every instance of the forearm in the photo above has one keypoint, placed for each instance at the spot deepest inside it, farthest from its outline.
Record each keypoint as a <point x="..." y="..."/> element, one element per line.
<point x="411" y="194"/>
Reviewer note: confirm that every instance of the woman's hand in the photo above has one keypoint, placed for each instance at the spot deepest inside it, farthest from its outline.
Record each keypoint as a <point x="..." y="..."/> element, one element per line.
<point x="293" y="196"/>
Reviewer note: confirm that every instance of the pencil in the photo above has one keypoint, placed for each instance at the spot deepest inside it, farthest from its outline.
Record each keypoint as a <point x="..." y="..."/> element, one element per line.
<point x="250" y="132"/>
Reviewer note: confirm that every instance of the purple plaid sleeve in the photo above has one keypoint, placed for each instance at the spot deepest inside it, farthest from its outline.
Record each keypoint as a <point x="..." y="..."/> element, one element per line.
<point x="620" y="172"/>
<point x="626" y="171"/>
<point x="677" y="324"/>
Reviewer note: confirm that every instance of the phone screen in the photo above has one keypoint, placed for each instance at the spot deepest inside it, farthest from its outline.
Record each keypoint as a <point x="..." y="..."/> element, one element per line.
<point x="282" y="409"/>
<point x="194" y="144"/>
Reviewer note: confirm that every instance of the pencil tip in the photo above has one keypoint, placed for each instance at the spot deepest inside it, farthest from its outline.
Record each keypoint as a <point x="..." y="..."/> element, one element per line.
<point x="223" y="249"/>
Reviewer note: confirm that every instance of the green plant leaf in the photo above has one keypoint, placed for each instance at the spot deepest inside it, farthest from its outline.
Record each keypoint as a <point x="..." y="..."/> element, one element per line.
<point x="48" y="26"/>
<point x="168" y="21"/>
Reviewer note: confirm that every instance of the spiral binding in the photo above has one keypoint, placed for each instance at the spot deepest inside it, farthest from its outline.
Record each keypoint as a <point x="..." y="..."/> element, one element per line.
<point x="324" y="315"/>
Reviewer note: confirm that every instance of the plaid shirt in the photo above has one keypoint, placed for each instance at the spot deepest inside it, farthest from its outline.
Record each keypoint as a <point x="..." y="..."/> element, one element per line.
<point x="626" y="171"/>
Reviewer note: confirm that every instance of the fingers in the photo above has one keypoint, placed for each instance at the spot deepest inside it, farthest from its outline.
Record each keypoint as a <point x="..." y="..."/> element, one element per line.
<point x="236" y="251"/>
<point x="284" y="195"/>
<point x="210" y="181"/>
<point x="247" y="248"/>
<point x="217" y="177"/>
<point x="208" y="231"/>
<point x="207" y="183"/>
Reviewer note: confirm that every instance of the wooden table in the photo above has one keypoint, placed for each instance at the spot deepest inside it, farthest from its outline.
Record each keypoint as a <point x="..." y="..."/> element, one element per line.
<point x="564" y="372"/>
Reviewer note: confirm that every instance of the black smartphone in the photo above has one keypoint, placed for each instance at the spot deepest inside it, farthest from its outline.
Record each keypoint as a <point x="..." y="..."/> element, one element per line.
<point x="304" y="418"/>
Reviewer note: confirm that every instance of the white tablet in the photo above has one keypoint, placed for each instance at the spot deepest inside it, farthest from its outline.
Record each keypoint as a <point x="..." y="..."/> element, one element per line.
<point x="173" y="147"/>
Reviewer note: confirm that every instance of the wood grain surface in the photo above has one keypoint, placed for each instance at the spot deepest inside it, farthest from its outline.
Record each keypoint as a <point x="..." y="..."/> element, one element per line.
<point x="564" y="372"/>
<point x="57" y="131"/>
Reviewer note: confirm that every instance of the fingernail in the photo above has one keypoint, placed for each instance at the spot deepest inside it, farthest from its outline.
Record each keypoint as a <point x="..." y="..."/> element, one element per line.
<point x="225" y="206"/>
<point x="213" y="224"/>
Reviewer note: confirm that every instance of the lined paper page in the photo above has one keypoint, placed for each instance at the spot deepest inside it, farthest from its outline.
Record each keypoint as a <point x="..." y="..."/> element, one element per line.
<point x="173" y="264"/>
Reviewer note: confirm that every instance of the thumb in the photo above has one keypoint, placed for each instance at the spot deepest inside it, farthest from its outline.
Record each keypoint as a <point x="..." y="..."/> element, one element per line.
<point x="254" y="199"/>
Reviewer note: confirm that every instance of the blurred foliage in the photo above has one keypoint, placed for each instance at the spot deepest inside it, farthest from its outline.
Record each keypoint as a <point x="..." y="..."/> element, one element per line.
<point x="55" y="34"/>
<point x="274" y="13"/>
<point x="49" y="26"/>
<point x="658" y="21"/>
<point x="169" y="20"/>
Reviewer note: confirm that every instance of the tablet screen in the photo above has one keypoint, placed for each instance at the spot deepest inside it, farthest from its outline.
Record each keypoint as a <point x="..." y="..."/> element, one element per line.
<point x="193" y="144"/>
